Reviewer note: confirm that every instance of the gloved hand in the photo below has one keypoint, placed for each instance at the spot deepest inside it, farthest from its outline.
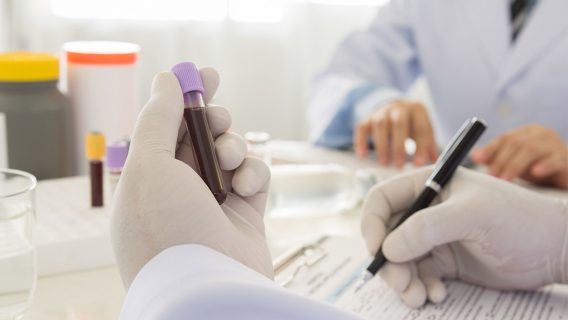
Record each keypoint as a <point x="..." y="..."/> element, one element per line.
<point x="161" y="201"/>
<point x="483" y="231"/>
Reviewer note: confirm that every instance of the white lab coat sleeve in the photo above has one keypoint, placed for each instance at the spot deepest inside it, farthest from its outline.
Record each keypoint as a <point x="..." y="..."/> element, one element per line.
<point x="195" y="282"/>
<point x="370" y="68"/>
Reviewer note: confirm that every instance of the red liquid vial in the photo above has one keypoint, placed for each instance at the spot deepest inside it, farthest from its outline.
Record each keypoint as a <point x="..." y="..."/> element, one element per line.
<point x="204" y="151"/>
<point x="200" y="134"/>
<point x="95" y="148"/>
<point x="96" y="176"/>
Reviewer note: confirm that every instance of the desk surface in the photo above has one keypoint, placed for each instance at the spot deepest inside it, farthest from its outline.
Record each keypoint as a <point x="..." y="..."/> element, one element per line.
<point x="98" y="294"/>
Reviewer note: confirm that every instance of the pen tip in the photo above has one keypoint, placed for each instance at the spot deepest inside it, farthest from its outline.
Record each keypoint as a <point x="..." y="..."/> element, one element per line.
<point x="365" y="277"/>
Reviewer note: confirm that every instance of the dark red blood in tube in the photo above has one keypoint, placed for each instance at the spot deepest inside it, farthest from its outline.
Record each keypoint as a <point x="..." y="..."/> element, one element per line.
<point x="96" y="172"/>
<point x="204" y="151"/>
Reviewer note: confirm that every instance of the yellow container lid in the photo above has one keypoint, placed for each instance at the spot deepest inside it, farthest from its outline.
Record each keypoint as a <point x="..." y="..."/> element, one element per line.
<point x="28" y="67"/>
<point x="95" y="146"/>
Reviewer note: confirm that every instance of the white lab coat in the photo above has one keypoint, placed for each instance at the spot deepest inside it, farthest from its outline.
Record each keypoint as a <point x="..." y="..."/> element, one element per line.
<point x="195" y="282"/>
<point x="463" y="49"/>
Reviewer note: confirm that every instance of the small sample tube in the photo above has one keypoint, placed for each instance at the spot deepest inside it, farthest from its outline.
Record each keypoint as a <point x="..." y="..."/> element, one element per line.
<point x="115" y="160"/>
<point x="257" y="142"/>
<point x="95" y="151"/>
<point x="198" y="127"/>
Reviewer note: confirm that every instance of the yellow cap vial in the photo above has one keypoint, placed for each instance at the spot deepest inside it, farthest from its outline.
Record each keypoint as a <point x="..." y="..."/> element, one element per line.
<point x="95" y="146"/>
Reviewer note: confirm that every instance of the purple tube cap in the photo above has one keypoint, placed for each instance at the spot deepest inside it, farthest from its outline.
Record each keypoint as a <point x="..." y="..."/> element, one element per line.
<point x="188" y="77"/>
<point x="116" y="154"/>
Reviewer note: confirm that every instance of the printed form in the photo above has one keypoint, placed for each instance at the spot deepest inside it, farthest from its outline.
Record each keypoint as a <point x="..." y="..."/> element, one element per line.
<point x="467" y="302"/>
<point x="334" y="278"/>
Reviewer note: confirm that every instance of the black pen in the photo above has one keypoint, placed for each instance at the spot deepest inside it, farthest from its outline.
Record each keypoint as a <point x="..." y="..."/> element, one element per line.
<point x="445" y="167"/>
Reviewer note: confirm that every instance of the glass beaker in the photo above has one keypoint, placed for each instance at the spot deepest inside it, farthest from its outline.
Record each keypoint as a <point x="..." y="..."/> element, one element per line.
<point x="17" y="252"/>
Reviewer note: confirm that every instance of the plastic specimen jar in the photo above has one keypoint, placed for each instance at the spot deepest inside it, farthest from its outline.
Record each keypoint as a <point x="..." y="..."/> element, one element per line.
<point x="17" y="251"/>
<point x="306" y="190"/>
<point x="34" y="128"/>
<point x="257" y="142"/>
<point x="102" y="83"/>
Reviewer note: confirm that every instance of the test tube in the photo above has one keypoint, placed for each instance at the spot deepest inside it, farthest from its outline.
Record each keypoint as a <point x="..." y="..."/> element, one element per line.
<point x="115" y="160"/>
<point x="257" y="142"/>
<point x="95" y="151"/>
<point x="198" y="126"/>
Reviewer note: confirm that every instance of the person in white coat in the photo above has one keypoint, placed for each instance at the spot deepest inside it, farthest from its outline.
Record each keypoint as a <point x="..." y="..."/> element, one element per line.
<point x="501" y="60"/>
<point x="183" y="256"/>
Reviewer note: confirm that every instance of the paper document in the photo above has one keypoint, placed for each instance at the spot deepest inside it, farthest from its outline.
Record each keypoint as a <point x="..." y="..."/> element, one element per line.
<point x="333" y="279"/>
<point x="377" y="301"/>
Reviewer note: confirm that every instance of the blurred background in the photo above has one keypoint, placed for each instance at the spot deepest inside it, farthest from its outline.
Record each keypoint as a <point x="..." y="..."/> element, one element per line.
<point x="266" y="51"/>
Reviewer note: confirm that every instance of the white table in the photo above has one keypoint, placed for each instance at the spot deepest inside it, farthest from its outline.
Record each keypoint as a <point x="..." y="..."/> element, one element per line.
<point x="98" y="294"/>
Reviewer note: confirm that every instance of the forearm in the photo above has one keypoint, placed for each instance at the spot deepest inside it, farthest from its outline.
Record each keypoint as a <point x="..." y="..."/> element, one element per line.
<point x="334" y="127"/>
<point x="379" y="62"/>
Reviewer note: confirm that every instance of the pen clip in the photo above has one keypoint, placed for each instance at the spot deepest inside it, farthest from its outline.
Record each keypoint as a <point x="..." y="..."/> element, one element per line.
<point x="455" y="152"/>
<point x="456" y="139"/>
<point x="454" y="143"/>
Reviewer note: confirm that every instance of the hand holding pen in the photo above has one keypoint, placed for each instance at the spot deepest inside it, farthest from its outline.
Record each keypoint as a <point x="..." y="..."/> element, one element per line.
<point x="481" y="230"/>
<point x="447" y="164"/>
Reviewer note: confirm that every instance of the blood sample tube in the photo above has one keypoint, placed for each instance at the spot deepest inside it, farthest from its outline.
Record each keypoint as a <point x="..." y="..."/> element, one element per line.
<point x="95" y="150"/>
<point x="198" y="126"/>
<point x="115" y="159"/>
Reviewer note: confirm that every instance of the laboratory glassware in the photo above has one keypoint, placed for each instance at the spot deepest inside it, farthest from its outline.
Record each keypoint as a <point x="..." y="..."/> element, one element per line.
<point x="198" y="126"/>
<point x="115" y="160"/>
<point x="95" y="152"/>
<point x="17" y="251"/>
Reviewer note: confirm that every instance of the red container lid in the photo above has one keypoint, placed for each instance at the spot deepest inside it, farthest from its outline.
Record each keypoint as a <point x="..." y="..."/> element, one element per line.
<point x="101" y="52"/>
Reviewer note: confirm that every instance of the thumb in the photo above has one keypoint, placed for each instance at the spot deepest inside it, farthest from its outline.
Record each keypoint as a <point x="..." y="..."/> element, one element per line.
<point x="387" y="199"/>
<point x="157" y="126"/>
<point x="425" y="230"/>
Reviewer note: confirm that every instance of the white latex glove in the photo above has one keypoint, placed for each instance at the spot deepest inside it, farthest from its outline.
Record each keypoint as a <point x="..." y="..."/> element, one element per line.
<point x="482" y="230"/>
<point x="161" y="201"/>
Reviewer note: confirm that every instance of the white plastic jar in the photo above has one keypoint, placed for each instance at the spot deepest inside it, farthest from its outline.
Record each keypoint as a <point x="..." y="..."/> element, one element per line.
<point x="102" y="83"/>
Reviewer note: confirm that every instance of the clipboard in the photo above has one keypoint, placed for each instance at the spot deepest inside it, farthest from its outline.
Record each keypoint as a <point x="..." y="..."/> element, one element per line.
<point x="304" y="256"/>
<point x="328" y="268"/>
<point x="319" y="268"/>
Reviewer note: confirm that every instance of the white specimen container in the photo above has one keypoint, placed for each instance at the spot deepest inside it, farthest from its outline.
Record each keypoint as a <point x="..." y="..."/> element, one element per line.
<point x="304" y="190"/>
<point x="102" y="83"/>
